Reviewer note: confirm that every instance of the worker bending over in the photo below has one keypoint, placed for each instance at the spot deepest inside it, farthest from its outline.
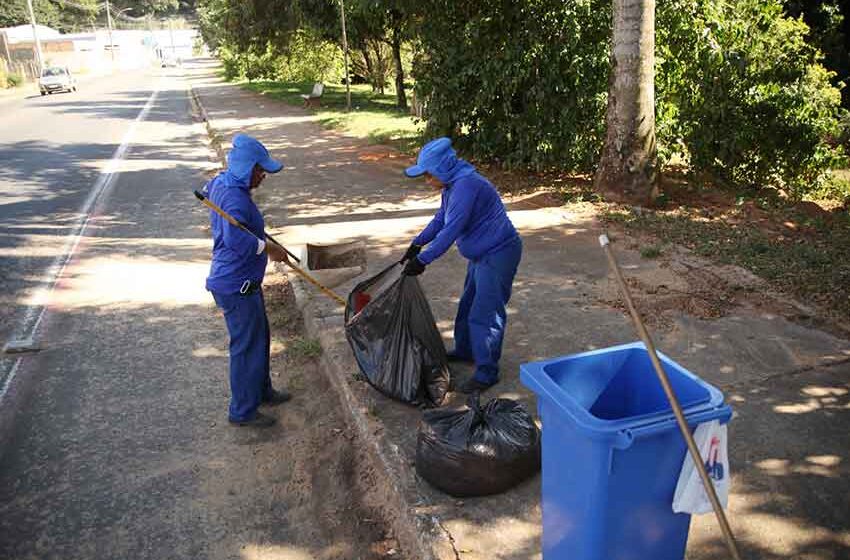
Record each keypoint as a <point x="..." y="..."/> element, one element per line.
<point x="472" y="214"/>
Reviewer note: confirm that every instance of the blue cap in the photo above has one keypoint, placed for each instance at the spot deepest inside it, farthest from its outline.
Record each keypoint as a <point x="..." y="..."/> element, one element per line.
<point x="248" y="152"/>
<point x="436" y="156"/>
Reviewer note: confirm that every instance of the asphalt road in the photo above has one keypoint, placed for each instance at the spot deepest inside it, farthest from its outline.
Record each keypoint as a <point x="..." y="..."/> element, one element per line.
<point x="52" y="152"/>
<point x="100" y="426"/>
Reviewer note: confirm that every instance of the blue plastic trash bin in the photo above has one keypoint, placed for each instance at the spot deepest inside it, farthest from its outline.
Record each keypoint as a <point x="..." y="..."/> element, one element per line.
<point x="612" y="453"/>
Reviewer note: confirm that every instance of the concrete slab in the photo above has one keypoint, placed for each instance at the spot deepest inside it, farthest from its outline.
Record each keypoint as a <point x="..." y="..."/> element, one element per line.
<point x="337" y="190"/>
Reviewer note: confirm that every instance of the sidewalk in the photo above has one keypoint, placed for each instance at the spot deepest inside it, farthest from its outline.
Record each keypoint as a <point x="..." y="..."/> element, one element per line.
<point x="788" y="383"/>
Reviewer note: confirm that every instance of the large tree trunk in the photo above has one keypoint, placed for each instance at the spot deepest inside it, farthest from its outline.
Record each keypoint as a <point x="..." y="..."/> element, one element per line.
<point x="627" y="171"/>
<point x="369" y="70"/>
<point x="401" y="98"/>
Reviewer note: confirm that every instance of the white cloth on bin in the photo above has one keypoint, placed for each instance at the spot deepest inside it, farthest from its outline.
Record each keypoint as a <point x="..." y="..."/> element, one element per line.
<point x="690" y="496"/>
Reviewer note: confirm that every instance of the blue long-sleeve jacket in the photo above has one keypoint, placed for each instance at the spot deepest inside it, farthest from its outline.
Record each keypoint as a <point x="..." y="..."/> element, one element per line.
<point x="234" y="257"/>
<point x="471" y="213"/>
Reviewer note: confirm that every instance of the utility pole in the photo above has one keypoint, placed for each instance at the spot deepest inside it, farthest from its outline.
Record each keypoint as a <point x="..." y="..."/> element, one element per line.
<point x="109" y="26"/>
<point x="345" y="52"/>
<point x="6" y="45"/>
<point x="39" y="56"/>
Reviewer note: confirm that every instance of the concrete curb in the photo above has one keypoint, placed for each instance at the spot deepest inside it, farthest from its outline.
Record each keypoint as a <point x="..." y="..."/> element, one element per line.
<point x="420" y="534"/>
<point x="215" y="138"/>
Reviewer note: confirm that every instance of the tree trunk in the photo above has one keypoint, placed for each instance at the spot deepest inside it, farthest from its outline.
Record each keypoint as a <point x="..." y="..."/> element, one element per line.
<point x="627" y="171"/>
<point x="369" y="70"/>
<point x="380" y="68"/>
<point x="845" y="27"/>
<point x="401" y="98"/>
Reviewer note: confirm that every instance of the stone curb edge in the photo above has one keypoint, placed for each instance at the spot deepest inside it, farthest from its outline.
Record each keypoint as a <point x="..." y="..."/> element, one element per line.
<point x="421" y="534"/>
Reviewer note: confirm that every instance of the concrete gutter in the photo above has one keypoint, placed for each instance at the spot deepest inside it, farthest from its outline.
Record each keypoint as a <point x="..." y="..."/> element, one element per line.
<point x="420" y="535"/>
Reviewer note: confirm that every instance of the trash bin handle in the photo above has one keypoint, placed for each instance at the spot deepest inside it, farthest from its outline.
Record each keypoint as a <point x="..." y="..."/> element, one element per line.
<point x="722" y="414"/>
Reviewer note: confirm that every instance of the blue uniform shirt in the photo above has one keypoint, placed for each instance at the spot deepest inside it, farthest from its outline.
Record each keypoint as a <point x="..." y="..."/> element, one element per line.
<point x="471" y="213"/>
<point x="235" y="257"/>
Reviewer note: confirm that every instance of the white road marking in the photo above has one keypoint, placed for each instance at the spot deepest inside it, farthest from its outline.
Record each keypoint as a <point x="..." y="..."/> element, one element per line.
<point x="38" y="303"/>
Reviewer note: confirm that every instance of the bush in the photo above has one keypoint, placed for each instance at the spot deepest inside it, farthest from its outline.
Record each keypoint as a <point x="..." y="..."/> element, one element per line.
<point x="311" y="59"/>
<point x="307" y="58"/>
<point x="836" y="187"/>
<point x="14" y="80"/>
<point x="739" y="92"/>
<point x="520" y="82"/>
<point x="743" y="96"/>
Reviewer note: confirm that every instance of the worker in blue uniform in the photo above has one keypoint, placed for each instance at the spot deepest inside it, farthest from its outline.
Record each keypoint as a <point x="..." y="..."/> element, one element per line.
<point x="236" y="279"/>
<point x="472" y="215"/>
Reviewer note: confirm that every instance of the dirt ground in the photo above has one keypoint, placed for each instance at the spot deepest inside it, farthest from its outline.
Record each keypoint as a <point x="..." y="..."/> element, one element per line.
<point x="310" y="467"/>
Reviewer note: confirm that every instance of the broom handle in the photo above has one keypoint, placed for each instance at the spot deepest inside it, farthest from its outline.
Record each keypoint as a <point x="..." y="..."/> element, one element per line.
<point x="325" y="290"/>
<point x="310" y="279"/>
<point x="674" y="402"/>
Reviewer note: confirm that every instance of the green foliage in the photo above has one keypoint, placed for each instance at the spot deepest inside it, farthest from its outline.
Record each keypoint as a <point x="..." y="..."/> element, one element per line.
<point x="306" y="58"/>
<point x="256" y="25"/>
<point x="14" y="80"/>
<point x="15" y="12"/>
<point x="836" y="187"/>
<point x="650" y="252"/>
<point x="829" y="21"/>
<point x="740" y="94"/>
<point x="303" y="349"/>
<point x="520" y="82"/>
<point x="743" y="96"/>
<point x="310" y="58"/>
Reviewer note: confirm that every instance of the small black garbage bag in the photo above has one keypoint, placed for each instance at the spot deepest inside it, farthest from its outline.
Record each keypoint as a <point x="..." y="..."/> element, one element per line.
<point x="478" y="450"/>
<point x="392" y="331"/>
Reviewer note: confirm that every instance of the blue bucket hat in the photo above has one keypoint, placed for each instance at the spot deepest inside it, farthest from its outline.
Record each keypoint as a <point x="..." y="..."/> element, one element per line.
<point x="436" y="157"/>
<point x="248" y="152"/>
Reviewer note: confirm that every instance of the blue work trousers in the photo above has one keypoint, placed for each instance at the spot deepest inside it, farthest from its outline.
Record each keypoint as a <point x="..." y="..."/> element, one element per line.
<point x="481" y="314"/>
<point x="250" y="342"/>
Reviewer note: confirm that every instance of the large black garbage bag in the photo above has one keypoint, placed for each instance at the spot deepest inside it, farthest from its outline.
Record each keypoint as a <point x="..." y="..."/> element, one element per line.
<point x="391" y="329"/>
<point x="478" y="450"/>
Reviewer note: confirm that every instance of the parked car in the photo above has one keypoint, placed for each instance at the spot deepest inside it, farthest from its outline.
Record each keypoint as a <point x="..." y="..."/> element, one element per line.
<point x="56" y="78"/>
<point x="170" y="61"/>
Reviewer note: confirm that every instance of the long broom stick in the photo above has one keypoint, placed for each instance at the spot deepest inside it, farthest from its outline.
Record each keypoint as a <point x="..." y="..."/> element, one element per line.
<point x="674" y="402"/>
<point x="215" y="208"/>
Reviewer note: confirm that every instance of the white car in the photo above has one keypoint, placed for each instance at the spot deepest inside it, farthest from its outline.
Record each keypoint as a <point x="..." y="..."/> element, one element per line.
<point x="170" y="61"/>
<point x="56" y="78"/>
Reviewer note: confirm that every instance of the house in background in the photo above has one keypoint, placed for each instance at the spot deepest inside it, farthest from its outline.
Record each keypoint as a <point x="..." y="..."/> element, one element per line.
<point x="92" y="53"/>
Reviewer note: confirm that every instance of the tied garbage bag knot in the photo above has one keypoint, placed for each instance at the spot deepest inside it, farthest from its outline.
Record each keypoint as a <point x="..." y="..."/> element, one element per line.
<point x="391" y="330"/>
<point x="478" y="450"/>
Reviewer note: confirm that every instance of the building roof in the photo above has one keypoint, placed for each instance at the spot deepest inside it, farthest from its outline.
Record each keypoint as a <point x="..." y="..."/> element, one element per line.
<point x="23" y="33"/>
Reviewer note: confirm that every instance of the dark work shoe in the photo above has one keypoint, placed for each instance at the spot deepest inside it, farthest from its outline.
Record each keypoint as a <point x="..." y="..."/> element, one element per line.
<point x="259" y="420"/>
<point x="453" y="356"/>
<point x="472" y="385"/>
<point x="276" y="397"/>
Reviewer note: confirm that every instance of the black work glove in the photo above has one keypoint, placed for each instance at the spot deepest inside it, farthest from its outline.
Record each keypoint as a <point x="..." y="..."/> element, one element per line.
<point x="411" y="253"/>
<point x="414" y="267"/>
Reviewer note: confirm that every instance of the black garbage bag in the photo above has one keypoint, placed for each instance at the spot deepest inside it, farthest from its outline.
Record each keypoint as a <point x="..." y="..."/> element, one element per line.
<point x="392" y="331"/>
<point x="478" y="450"/>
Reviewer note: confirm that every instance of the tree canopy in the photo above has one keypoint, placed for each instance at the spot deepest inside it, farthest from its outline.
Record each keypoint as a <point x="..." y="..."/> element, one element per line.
<point x="744" y="91"/>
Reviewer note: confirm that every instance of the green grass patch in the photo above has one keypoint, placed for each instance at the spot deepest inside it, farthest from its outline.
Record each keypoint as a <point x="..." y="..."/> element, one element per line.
<point x="808" y="257"/>
<point x="373" y="117"/>
<point x="301" y="349"/>
<point x="650" y="252"/>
